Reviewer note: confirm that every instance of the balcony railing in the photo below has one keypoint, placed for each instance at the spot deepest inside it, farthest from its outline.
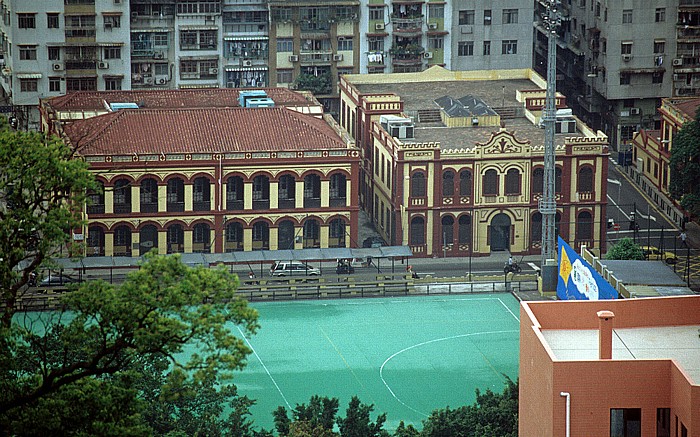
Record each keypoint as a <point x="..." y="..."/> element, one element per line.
<point x="688" y="32"/>
<point x="175" y="206"/>
<point x="287" y="203"/>
<point x="312" y="202"/>
<point x="96" y="209"/>
<point x="337" y="201"/>
<point x="261" y="204"/>
<point x="319" y="57"/>
<point x="234" y="205"/>
<point x="122" y="208"/>
<point x="149" y="206"/>
<point x="203" y="205"/>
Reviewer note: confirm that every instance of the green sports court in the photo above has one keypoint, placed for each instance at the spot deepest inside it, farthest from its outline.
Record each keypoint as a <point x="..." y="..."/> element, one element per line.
<point x="406" y="355"/>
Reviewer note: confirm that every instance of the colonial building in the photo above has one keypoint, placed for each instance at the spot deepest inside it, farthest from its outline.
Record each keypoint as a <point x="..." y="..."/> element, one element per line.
<point x="447" y="174"/>
<point x="180" y="177"/>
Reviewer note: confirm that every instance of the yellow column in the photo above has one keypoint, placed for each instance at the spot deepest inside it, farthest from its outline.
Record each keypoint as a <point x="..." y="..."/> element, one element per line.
<point x="162" y="242"/>
<point x="325" y="230"/>
<point x="109" y="201"/>
<point x="348" y="192"/>
<point x="299" y="237"/>
<point x="135" y="198"/>
<point x="109" y="243"/>
<point x="325" y="193"/>
<point x="299" y="194"/>
<point x="274" y="238"/>
<point x="274" y="192"/>
<point x="212" y="197"/>
<point x="248" y="195"/>
<point x="188" y="241"/>
<point x="188" y="197"/>
<point x="247" y="239"/>
<point x="162" y="197"/>
<point x="135" y="240"/>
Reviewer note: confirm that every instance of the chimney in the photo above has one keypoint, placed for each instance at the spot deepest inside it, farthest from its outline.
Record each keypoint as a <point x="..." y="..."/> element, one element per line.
<point x="605" y="328"/>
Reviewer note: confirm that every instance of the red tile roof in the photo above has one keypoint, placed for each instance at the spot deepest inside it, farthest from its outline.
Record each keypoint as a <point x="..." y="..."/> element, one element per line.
<point x="168" y="99"/>
<point x="688" y="107"/>
<point x="200" y="130"/>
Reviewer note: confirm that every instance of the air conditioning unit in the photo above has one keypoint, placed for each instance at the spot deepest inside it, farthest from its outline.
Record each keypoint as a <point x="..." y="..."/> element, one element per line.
<point x="293" y="58"/>
<point x="428" y="55"/>
<point x="338" y="57"/>
<point x="678" y="61"/>
<point x="432" y="26"/>
<point x="213" y="71"/>
<point x="103" y="65"/>
<point x="161" y="80"/>
<point x="626" y="58"/>
<point x="158" y="55"/>
<point x="57" y="67"/>
<point x="379" y="26"/>
<point x="635" y="111"/>
<point x="247" y="63"/>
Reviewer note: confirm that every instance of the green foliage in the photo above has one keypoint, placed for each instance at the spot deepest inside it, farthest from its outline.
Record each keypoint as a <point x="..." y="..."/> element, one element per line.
<point x="625" y="249"/>
<point x="357" y="422"/>
<point x="406" y="431"/>
<point x="318" y="85"/>
<point x="684" y="165"/>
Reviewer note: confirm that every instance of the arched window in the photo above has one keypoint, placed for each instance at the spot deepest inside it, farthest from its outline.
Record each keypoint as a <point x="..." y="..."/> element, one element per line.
<point x="285" y="235"/>
<point x="234" y="237"/>
<point x="337" y="233"/>
<point x="175" y="195"/>
<point x="95" y="241"/>
<point x="513" y="182"/>
<point x="312" y="191"/>
<point x="234" y="193"/>
<point x="201" y="238"/>
<point x="417" y="235"/>
<point x="122" y="196"/>
<point x="538" y="180"/>
<point x="96" y="199"/>
<point x="585" y="180"/>
<point x="465" y="230"/>
<point x="490" y="183"/>
<point x="465" y="183"/>
<point x="148" y="239"/>
<point x="448" y="184"/>
<point x="261" y="192"/>
<point x="261" y="236"/>
<point x="536" y="228"/>
<point x="176" y="239"/>
<point x="584" y="226"/>
<point x="201" y="200"/>
<point x="122" y="241"/>
<point x="418" y="184"/>
<point x="286" y="192"/>
<point x="557" y="180"/>
<point x="337" y="189"/>
<point x="149" y="195"/>
<point x="447" y="234"/>
<point x="312" y="233"/>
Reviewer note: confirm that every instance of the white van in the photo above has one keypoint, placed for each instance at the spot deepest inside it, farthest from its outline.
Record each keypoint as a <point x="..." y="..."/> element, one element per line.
<point x="293" y="268"/>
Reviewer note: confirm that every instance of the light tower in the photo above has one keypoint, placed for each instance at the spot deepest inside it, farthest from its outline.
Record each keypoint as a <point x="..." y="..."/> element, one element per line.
<point x="547" y="205"/>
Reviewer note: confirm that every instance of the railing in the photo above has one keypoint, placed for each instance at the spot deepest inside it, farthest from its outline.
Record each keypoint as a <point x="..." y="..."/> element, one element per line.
<point x="96" y="209"/>
<point x="286" y="203"/>
<point x="234" y="205"/>
<point x="315" y="57"/>
<point x="688" y="32"/>
<point x="149" y="206"/>
<point x="175" y="206"/>
<point x="204" y="205"/>
<point x="310" y="202"/>
<point x="122" y="208"/>
<point x="261" y="204"/>
<point x="338" y="201"/>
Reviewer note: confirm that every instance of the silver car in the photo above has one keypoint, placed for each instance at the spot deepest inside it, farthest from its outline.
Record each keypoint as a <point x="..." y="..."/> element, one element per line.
<point x="293" y="268"/>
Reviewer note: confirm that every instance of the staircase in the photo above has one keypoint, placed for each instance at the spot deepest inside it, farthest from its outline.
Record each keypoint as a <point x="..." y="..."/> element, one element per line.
<point x="429" y="116"/>
<point x="506" y="112"/>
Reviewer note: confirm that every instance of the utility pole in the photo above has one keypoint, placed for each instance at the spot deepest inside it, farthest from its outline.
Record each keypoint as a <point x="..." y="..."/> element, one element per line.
<point x="547" y="204"/>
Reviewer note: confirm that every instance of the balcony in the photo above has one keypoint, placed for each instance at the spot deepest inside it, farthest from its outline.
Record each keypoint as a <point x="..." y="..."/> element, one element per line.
<point x="149" y="206"/>
<point x="688" y="32"/>
<point x="201" y="205"/>
<point x="312" y="202"/>
<point x="411" y="54"/>
<point x="261" y="204"/>
<point x="96" y="208"/>
<point x="337" y="201"/>
<point x="175" y="206"/>
<point x="407" y="26"/>
<point x="316" y="57"/>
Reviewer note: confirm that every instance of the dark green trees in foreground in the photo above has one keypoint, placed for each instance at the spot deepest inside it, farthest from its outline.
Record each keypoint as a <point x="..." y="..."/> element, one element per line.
<point x="684" y="166"/>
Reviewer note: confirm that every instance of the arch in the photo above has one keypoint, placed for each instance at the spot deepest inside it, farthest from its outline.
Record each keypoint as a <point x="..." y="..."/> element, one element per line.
<point x="447" y="231"/>
<point x="416" y="234"/>
<point x="513" y="182"/>
<point x="95" y="243"/>
<point x="148" y="194"/>
<point x="261" y="235"/>
<point x="175" y="237"/>
<point x="112" y="181"/>
<point x="448" y="183"/>
<point x="418" y="184"/>
<point x="311" y="171"/>
<point x="584" y="226"/>
<point x="285" y="234"/>
<point x="201" y="237"/>
<point x="500" y="232"/>
<point x="584" y="181"/>
<point x="96" y="199"/>
<point x="201" y="174"/>
<point x="175" y="175"/>
<point x="148" y="238"/>
<point x="337" y="232"/>
<point x="149" y="175"/>
<point x="490" y="182"/>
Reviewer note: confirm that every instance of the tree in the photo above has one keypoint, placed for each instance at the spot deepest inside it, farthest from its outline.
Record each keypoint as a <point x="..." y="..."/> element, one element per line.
<point x="320" y="84"/>
<point x="357" y="422"/>
<point x="684" y="165"/>
<point x="315" y="418"/>
<point x="625" y="249"/>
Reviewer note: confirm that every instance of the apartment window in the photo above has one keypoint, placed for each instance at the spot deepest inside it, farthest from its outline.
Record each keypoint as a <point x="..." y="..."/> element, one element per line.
<point x="28" y="85"/>
<point x="509" y="47"/>
<point x="345" y="44"/>
<point x="113" y="53"/>
<point x="81" y="84"/>
<point x="627" y="16"/>
<point x="52" y="20"/>
<point x="660" y="15"/>
<point x="54" y="53"/>
<point x="376" y="13"/>
<point x="465" y="48"/>
<point x="510" y="16"/>
<point x="659" y="46"/>
<point x="435" y="42"/>
<point x="657" y="77"/>
<point x="375" y="44"/>
<point x="436" y="11"/>
<point x="625" y="422"/>
<point x="27" y="53"/>
<point x="466" y="17"/>
<point x="626" y="48"/>
<point x="113" y="83"/>
<point x="626" y="132"/>
<point x="487" y="17"/>
<point x="112" y="21"/>
<point x="285" y="45"/>
<point x="55" y="84"/>
<point x="26" y="21"/>
<point x="487" y="48"/>
<point x="625" y="78"/>
<point x="281" y="14"/>
<point x="284" y="76"/>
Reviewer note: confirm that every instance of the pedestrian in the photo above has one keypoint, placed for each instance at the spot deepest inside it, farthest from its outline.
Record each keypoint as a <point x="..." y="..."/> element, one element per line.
<point x="510" y="261"/>
<point x="683" y="237"/>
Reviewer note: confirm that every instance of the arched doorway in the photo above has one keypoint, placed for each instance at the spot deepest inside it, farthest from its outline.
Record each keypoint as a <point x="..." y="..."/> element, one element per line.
<point x="500" y="233"/>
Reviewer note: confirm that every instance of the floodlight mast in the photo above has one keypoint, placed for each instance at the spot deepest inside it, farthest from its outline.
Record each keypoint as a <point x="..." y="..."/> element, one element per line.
<point x="547" y="204"/>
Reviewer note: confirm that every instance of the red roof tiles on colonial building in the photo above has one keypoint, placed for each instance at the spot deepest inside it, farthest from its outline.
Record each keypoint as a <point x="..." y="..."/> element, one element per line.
<point x="201" y="130"/>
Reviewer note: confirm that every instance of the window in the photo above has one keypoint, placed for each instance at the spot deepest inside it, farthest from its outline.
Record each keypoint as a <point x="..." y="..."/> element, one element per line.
<point x="585" y="180"/>
<point x="627" y="16"/>
<point x="660" y="15"/>
<point x="487" y="48"/>
<point x="436" y="11"/>
<point x="281" y="14"/>
<point x="345" y="44"/>
<point x="26" y="21"/>
<point x="376" y="13"/>
<point x="625" y="422"/>
<point x="538" y="180"/>
<point x="28" y="85"/>
<point x="465" y="183"/>
<point x="81" y="84"/>
<point x="52" y="20"/>
<point x="112" y="21"/>
<point x="418" y="185"/>
<point x="659" y="46"/>
<point x="55" y="84"/>
<point x="285" y="45"/>
<point x="376" y="44"/>
<point x="465" y="230"/>
<point x="510" y="16"/>
<point x="435" y="42"/>
<point x="509" y="47"/>
<point x="113" y="53"/>
<point x="284" y="76"/>
<point x="657" y="77"/>
<point x="466" y="17"/>
<point x="626" y="133"/>
<point x="113" y="83"/>
<point x="417" y="236"/>
<point x="512" y="182"/>
<point x="487" y="17"/>
<point x="465" y="48"/>
<point x="448" y="184"/>
<point x="447" y="232"/>
<point x="626" y="48"/>
<point x="490" y="183"/>
<point x="625" y="78"/>
<point x="27" y="53"/>
<point x="54" y="53"/>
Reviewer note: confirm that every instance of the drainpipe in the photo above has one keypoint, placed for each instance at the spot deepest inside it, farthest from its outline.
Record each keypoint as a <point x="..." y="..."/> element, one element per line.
<point x="567" y="395"/>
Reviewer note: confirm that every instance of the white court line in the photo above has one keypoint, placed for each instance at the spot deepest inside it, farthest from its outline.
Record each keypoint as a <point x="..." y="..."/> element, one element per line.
<point x="381" y="369"/>
<point x="508" y="309"/>
<point x="264" y="367"/>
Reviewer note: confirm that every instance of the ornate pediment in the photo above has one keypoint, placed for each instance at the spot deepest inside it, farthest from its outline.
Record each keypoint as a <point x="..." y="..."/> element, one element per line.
<point x="503" y="142"/>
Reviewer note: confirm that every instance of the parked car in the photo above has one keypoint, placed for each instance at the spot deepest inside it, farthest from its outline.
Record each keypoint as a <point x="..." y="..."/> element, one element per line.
<point x="293" y="268"/>
<point x="54" y="280"/>
<point x="654" y="253"/>
<point x="372" y="242"/>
